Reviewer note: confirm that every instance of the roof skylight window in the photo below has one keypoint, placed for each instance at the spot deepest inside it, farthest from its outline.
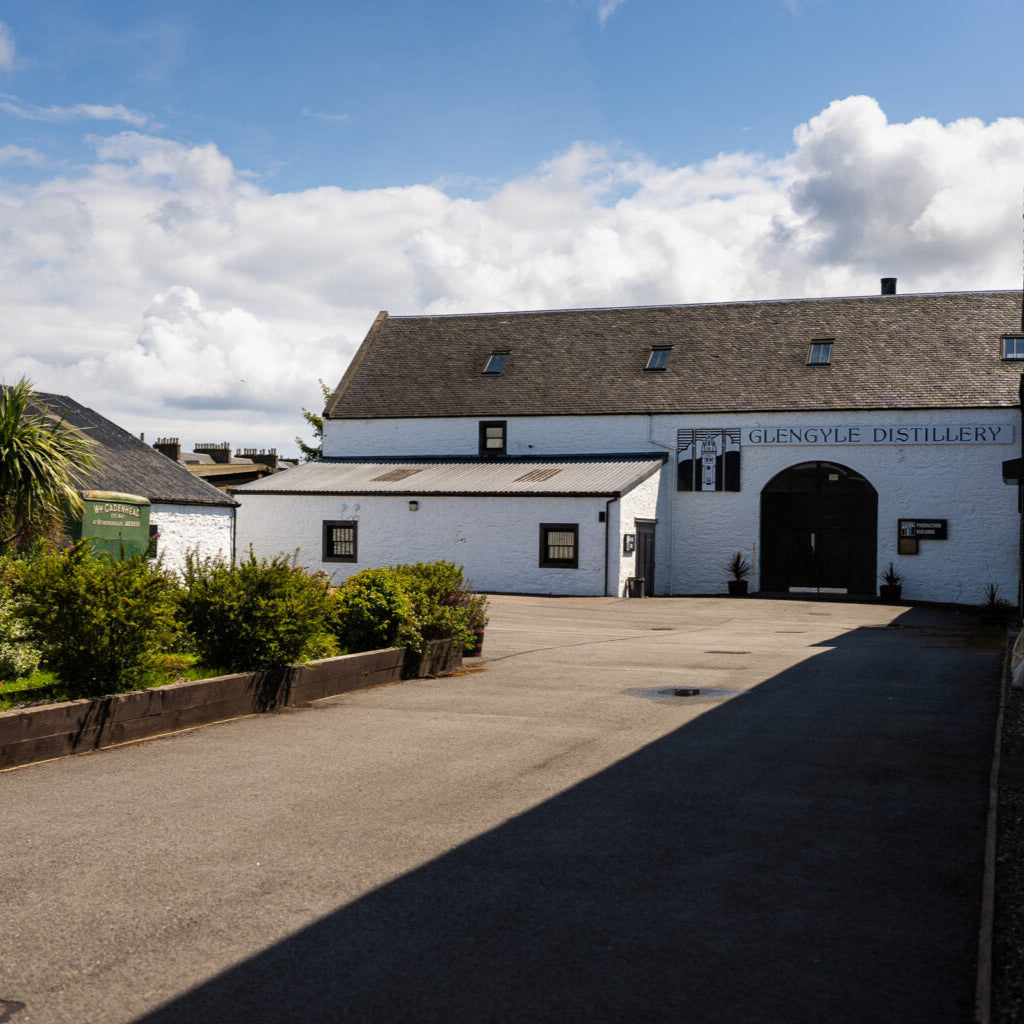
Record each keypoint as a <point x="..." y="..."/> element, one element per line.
<point x="1013" y="346"/>
<point x="658" y="359"/>
<point x="820" y="353"/>
<point x="495" y="362"/>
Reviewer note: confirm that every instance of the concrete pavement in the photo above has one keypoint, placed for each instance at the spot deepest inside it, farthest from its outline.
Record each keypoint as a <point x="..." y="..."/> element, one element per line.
<point x="550" y="838"/>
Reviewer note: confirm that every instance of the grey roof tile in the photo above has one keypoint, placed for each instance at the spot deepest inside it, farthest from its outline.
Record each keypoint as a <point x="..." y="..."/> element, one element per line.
<point x="900" y="352"/>
<point x="126" y="464"/>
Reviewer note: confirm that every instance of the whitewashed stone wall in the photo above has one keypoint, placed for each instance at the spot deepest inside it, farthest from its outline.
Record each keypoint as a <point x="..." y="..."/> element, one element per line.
<point x="698" y="532"/>
<point x="497" y="540"/>
<point x="958" y="482"/>
<point x="639" y="503"/>
<point x="183" y="528"/>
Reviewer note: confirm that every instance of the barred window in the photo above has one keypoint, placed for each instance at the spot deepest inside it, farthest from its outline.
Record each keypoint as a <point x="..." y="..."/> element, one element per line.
<point x="559" y="545"/>
<point x="340" y="540"/>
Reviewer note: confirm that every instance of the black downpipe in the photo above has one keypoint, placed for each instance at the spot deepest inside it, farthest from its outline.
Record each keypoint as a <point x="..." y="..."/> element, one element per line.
<point x="607" y="528"/>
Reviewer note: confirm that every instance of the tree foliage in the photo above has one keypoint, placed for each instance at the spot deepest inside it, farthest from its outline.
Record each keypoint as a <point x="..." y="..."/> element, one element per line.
<point x="42" y="462"/>
<point x="316" y="449"/>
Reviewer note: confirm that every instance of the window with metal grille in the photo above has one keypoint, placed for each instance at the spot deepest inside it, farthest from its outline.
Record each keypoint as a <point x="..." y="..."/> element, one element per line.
<point x="559" y="545"/>
<point x="493" y="437"/>
<point x="340" y="540"/>
<point x="820" y="353"/>
<point x="658" y="359"/>
<point x="1013" y="346"/>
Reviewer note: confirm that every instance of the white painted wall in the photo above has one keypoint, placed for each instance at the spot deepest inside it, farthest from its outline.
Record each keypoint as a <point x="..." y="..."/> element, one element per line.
<point x="639" y="503"/>
<point x="184" y="528"/>
<point x="496" y="539"/>
<point x="961" y="483"/>
<point x="698" y="533"/>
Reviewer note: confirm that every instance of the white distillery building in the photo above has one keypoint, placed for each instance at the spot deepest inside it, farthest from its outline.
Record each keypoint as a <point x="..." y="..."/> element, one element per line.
<point x="568" y="451"/>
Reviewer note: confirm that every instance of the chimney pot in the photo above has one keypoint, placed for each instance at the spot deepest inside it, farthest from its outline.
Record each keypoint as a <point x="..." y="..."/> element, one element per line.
<point x="169" y="446"/>
<point x="888" y="285"/>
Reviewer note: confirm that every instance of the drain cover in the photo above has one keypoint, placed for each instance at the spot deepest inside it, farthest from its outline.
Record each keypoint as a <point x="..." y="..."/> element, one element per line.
<point x="687" y="691"/>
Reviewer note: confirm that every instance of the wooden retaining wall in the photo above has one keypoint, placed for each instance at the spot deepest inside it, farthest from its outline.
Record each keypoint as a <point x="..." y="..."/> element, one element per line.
<point x="35" y="734"/>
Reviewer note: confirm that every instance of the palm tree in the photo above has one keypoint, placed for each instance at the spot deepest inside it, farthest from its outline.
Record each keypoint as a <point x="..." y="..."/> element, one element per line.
<point x="42" y="462"/>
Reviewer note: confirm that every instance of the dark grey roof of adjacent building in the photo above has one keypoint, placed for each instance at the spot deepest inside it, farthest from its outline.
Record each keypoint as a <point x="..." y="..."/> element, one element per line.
<point x="596" y="476"/>
<point x="126" y="464"/>
<point x="889" y="352"/>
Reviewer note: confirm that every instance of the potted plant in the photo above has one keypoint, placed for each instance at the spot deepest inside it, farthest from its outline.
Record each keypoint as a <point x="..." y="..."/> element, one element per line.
<point x="892" y="584"/>
<point x="995" y="609"/>
<point x="477" y="605"/>
<point x="739" y="568"/>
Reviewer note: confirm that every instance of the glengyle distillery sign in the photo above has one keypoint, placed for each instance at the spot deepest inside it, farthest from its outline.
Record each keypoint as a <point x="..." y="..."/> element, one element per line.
<point x="956" y="433"/>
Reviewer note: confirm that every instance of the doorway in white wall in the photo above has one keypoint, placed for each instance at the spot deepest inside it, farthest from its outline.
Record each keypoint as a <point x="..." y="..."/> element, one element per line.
<point x="819" y="531"/>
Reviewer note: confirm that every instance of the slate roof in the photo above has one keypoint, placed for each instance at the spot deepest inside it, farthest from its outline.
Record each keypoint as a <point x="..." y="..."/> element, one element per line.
<point x="925" y="351"/>
<point x="126" y="464"/>
<point x="601" y="476"/>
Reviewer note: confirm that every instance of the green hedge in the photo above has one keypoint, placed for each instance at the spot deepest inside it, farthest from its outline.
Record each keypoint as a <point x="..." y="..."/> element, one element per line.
<point x="102" y="624"/>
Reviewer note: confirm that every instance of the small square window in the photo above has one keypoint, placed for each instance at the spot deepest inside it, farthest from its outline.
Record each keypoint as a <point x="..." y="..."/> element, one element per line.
<point x="340" y="541"/>
<point x="658" y="359"/>
<point x="493" y="438"/>
<point x="1013" y="346"/>
<point x="495" y="362"/>
<point x="559" y="545"/>
<point x="820" y="353"/>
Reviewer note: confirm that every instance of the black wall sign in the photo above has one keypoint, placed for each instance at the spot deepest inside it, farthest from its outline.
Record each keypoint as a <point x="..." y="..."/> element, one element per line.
<point x="913" y="530"/>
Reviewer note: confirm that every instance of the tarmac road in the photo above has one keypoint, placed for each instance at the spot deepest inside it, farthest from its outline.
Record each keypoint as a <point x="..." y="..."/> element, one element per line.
<point x="552" y="837"/>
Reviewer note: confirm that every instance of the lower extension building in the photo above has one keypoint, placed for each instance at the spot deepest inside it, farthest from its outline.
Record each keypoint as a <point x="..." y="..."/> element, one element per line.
<point x="572" y="451"/>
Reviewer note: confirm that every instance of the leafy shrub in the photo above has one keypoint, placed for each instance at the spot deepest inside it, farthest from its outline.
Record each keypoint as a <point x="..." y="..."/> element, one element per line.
<point x="373" y="611"/>
<point x="256" y="614"/>
<point x="18" y="657"/>
<point x="98" y="622"/>
<point x="442" y="605"/>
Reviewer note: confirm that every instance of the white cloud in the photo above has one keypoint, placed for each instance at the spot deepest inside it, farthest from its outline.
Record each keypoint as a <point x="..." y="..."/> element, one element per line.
<point x="606" y="8"/>
<point x="7" y="52"/>
<point x="168" y="291"/>
<point x="27" y="157"/>
<point x="80" y="111"/>
<point x="319" y="115"/>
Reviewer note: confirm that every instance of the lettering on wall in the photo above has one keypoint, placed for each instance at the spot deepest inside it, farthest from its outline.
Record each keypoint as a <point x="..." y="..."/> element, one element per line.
<point x="708" y="459"/>
<point x="956" y="433"/>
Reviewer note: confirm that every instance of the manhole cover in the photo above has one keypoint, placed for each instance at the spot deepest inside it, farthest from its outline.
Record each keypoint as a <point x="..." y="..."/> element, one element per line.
<point x="678" y="693"/>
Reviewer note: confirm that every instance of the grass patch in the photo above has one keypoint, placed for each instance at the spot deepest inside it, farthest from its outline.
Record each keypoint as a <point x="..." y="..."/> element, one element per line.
<point x="45" y="687"/>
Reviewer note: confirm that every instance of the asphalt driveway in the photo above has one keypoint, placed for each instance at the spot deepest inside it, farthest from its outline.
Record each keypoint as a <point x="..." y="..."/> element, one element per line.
<point x="552" y="837"/>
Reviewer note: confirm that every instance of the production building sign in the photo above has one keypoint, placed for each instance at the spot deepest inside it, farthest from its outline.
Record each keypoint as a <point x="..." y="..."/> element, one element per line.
<point x="114" y="522"/>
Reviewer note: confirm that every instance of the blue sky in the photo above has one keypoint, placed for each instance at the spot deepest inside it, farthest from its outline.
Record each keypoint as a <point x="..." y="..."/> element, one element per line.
<point x="240" y="187"/>
<point x="370" y="94"/>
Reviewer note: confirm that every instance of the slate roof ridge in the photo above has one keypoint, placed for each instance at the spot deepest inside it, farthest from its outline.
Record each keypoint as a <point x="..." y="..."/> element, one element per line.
<point x="697" y="305"/>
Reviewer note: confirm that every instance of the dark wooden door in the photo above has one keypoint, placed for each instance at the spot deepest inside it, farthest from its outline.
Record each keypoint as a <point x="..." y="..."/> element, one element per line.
<point x="645" y="555"/>
<point x="819" y="524"/>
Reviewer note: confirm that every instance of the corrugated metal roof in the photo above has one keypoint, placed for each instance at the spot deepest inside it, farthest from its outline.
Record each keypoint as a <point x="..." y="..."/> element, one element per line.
<point x="609" y="476"/>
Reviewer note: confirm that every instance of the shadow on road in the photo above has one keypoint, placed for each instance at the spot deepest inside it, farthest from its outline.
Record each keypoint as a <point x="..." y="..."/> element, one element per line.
<point x="810" y="851"/>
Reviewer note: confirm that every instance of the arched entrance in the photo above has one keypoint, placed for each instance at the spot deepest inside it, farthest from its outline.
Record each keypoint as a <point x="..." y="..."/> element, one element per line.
<point x="819" y="530"/>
